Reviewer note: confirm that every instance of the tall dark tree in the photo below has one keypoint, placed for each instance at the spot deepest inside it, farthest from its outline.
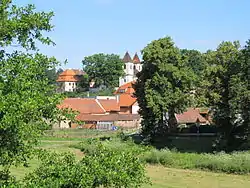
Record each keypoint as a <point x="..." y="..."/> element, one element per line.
<point x="104" y="69"/>
<point x="226" y="92"/>
<point x="163" y="86"/>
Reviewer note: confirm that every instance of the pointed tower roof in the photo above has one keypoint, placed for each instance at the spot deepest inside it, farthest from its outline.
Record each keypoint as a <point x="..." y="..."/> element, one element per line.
<point x="127" y="58"/>
<point x="136" y="59"/>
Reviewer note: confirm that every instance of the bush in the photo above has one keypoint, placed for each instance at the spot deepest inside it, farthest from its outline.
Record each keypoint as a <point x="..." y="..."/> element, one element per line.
<point x="103" y="167"/>
<point x="90" y="145"/>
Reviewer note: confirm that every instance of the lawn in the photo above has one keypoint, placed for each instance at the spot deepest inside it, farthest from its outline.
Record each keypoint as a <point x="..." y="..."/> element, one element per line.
<point x="161" y="176"/>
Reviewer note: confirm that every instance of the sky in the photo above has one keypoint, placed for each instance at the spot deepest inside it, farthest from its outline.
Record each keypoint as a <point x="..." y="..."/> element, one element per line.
<point x="85" y="27"/>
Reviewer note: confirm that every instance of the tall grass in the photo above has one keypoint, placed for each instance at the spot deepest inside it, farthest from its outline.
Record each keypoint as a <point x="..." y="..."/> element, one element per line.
<point x="237" y="163"/>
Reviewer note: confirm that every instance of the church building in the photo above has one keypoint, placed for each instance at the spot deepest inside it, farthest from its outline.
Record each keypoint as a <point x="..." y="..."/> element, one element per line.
<point x="131" y="68"/>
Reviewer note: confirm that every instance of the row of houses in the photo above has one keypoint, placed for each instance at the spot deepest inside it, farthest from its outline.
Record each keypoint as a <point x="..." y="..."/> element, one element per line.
<point x="120" y="110"/>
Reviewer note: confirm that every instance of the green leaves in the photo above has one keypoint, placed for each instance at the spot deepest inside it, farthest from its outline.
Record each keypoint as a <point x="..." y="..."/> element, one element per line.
<point x="27" y="101"/>
<point x="23" y="26"/>
<point x="104" y="69"/>
<point x="103" y="167"/>
<point x="164" y="85"/>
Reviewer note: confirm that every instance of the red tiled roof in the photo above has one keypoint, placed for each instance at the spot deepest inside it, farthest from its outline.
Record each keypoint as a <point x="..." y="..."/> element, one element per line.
<point x="108" y="117"/>
<point x="192" y="115"/>
<point x="70" y="75"/>
<point x="83" y="105"/>
<point x="126" y="100"/>
<point x="125" y="93"/>
<point x="127" y="58"/>
<point x="110" y="105"/>
<point x="136" y="59"/>
<point x="128" y="88"/>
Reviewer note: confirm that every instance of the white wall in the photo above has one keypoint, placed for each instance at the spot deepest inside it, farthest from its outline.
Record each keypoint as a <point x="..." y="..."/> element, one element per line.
<point x="135" y="108"/>
<point x="70" y="86"/>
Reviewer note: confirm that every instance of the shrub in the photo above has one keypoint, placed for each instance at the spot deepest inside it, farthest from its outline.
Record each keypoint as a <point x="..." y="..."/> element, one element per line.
<point x="103" y="167"/>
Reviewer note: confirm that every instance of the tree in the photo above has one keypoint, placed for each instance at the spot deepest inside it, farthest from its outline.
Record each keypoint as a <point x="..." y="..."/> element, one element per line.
<point x="104" y="69"/>
<point x="195" y="61"/>
<point x="103" y="168"/>
<point x="26" y="98"/>
<point x="227" y="92"/>
<point x="163" y="86"/>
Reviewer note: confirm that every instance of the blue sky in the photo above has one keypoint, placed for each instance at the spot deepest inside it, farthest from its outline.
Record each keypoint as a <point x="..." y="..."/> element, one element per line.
<point x="86" y="27"/>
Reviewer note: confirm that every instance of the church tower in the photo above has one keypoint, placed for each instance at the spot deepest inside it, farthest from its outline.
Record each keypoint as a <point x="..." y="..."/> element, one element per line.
<point x="131" y="68"/>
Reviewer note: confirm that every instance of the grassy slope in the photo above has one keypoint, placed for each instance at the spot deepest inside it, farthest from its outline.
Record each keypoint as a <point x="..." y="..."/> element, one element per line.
<point x="161" y="177"/>
<point x="177" y="178"/>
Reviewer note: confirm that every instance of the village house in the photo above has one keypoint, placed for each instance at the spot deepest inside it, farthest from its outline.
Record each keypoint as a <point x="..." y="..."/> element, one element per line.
<point x="98" y="113"/>
<point x="69" y="80"/>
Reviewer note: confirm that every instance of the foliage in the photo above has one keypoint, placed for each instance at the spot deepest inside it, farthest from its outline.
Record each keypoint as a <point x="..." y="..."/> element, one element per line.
<point x="228" y="93"/>
<point x="91" y="145"/>
<point x="163" y="86"/>
<point x="238" y="163"/>
<point x="52" y="75"/>
<point x="26" y="99"/>
<point x="195" y="61"/>
<point x="104" y="69"/>
<point x="104" y="92"/>
<point x="104" y="167"/>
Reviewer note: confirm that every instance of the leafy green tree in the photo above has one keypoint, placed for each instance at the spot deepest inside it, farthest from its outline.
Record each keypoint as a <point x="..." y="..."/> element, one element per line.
<point x="26" y="98"/>
<point x="228" y="92"/>
<point x="163" y="86"/>
<point x="104" y="69"/>
<point x="102" y="168"/>
<point x="195" y="60"/>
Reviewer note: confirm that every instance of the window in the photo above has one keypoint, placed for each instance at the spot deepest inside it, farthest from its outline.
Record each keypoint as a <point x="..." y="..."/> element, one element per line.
<point x="73" y="83"/>
<point x="131" y="66"/>
<point x="69" y="84"/>
<point x="124" y="80"/>
<point x="122" y="91"/>
<point x="69" y="89"/>
<point x="124" y="66"/>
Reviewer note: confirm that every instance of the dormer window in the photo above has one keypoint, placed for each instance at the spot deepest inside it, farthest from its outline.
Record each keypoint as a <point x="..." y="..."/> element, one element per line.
<point x="122" y="91"/>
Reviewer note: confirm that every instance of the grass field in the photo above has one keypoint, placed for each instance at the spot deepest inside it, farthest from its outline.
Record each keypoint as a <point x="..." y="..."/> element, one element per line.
<point x="160" y="176"/>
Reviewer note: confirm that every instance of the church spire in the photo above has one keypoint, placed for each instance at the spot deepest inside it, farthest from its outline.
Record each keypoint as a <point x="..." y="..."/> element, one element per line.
<point x="127" y="58"/>
<point x="136" y="59"/>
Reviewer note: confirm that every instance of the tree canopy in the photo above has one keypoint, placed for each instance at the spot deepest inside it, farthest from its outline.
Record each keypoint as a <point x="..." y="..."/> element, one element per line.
<point x="228" y="92"/>
<point x="26" y="98"/>
<point x="163" y="86"/>
<point x="104" y="69"/>
<point x="173" y="79"/>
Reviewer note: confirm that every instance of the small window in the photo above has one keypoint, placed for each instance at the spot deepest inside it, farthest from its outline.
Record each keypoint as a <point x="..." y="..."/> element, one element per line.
<point x="124" y="66"/>
<point x="69" y="89"/>
<point x="122" y="91"/>
<point x="73" y="83"/>
<point x="131" y="66"/>
<point x="69" y="84"/>
<point x="125" y="80"/>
